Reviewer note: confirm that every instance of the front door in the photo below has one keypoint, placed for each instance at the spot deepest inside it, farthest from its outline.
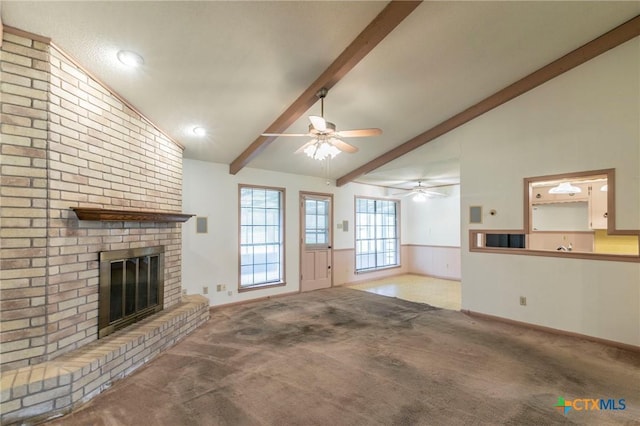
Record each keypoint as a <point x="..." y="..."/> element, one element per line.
<point x="316" y="217"/>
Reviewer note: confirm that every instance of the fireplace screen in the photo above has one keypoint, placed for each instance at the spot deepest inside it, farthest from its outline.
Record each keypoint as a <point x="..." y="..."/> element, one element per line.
<point x="131" y="287"/>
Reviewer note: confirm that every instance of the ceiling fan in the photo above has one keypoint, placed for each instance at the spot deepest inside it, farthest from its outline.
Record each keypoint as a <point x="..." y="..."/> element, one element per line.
<point x="420" y="193"/>
<point x="326" y="141"/>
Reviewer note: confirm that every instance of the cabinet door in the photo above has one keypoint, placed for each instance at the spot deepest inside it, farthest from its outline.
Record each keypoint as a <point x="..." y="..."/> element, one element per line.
<point x="598" y="208"/>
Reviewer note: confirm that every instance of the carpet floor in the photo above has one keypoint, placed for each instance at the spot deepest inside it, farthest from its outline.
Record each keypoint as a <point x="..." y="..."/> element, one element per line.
<point x="347" y="357"/>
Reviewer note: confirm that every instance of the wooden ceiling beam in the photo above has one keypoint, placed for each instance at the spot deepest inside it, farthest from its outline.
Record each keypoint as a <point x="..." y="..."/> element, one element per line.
<point x="605" y="42"/>
<point x="367" y="40"/>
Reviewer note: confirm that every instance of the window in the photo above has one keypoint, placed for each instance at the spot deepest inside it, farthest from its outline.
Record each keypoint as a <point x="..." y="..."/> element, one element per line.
<point x="377" y="240"/>
<point x="261" y="236"/>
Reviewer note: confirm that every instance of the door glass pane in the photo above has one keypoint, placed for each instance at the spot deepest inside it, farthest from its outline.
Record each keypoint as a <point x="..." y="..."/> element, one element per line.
<point x="316" y="222"/>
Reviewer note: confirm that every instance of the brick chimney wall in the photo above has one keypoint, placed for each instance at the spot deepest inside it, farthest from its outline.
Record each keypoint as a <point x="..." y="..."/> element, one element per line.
<point x="68" y="141"/>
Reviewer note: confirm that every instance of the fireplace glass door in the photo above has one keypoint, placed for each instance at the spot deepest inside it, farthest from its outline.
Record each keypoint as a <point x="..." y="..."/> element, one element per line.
<point x="131" y="286"/>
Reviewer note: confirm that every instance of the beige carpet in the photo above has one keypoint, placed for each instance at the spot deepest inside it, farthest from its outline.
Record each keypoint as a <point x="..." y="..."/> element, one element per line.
<point x="347" y="357"/>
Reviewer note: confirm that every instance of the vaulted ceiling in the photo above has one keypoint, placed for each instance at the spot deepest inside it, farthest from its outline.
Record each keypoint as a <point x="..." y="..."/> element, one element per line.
<point x="234" y="68"/>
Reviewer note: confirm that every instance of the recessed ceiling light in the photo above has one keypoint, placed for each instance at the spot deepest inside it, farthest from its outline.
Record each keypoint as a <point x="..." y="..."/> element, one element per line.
<point x="199" y="131"/>
<point x="130" y="59"/>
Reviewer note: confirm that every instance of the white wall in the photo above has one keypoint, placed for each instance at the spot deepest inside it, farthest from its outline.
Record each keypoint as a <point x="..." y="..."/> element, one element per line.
<point x="585" y="119"/>
<point x="211" y="259"/>
<point x="436" y="222"/>
<point x="433" y="235"/>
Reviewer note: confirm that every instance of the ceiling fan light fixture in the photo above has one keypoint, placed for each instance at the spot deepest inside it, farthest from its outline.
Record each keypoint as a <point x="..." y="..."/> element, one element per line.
<point x="565" y="188"/>
<point x="321" y="150"/>
<point x="130" y="59"/>
<point x="333" y="151"/>
<point x="199" y="131"/>
<point x="419" y="198"/>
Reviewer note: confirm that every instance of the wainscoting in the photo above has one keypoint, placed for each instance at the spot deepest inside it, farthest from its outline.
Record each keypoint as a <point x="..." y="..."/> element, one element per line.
<point x="344" y="268"/>
<point x="433" y="261"/>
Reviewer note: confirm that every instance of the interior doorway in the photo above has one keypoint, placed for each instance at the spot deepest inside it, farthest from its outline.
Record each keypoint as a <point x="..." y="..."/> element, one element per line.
<point x="316" y="240"/>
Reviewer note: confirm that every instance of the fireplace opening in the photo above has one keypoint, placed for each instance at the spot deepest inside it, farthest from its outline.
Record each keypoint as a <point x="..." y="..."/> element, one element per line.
<point x="131" y="287"/>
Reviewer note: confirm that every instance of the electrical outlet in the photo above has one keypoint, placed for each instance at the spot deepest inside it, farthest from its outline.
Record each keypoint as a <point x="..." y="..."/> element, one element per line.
<point x="523" y="301"/>
<point x="219" y="287"/>
<point x="205" y="290"/>
<point x="184" y="291"/>
<point x="230" y="293"/>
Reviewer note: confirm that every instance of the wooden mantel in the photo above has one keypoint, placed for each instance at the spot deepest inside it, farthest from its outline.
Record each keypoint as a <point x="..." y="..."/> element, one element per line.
<point x="86" y="213"/>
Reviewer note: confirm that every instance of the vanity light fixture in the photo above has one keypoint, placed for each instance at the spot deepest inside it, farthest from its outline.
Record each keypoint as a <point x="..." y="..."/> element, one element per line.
<point x="130" y="59"/>
<point x="565" y="188"/>
<point x="199" y="131"/>
<point x="604" y="188"/>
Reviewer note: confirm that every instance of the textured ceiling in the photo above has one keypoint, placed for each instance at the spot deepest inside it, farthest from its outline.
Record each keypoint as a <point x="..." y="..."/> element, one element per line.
<point x="234" y="67"/>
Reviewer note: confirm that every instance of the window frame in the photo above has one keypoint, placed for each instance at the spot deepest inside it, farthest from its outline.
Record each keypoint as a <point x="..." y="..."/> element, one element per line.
<point x="376" y="239"/>
<point x="282" y="235"/>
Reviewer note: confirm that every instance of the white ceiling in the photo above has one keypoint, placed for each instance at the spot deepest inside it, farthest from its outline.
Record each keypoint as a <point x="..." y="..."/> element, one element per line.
<point x="233" y="67"/>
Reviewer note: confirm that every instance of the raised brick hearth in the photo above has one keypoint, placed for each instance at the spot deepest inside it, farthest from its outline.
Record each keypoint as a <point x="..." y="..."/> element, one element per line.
<point x="53" y="388"/>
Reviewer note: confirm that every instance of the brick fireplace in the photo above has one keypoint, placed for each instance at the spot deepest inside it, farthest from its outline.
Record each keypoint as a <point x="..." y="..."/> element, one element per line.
<point x="69" y="142"/>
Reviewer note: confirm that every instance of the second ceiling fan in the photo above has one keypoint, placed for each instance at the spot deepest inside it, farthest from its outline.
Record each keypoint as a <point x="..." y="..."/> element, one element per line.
<point x="326" y="139"/>
<point x="420" y="193"/>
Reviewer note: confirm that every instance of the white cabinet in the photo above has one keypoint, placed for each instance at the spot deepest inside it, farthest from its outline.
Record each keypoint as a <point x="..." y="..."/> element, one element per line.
<point x="598" y="207"/>
<point x="580" y="211"/>
<point x="540" y="195"/>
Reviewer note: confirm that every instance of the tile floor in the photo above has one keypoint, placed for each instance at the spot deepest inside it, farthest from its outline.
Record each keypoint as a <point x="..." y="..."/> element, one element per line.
<point x="434" y="291"/>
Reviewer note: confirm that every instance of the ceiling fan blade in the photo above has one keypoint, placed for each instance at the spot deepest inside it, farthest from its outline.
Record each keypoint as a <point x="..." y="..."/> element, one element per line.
<point x="318" y="123"/>
<point x="303" y="147"/>
<point x="432" y="193"/>
<point x="285" y="134"/>
<point x="359" y="133"/>
<point x="403" y="194"/>
<point x="343" y="146"/>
